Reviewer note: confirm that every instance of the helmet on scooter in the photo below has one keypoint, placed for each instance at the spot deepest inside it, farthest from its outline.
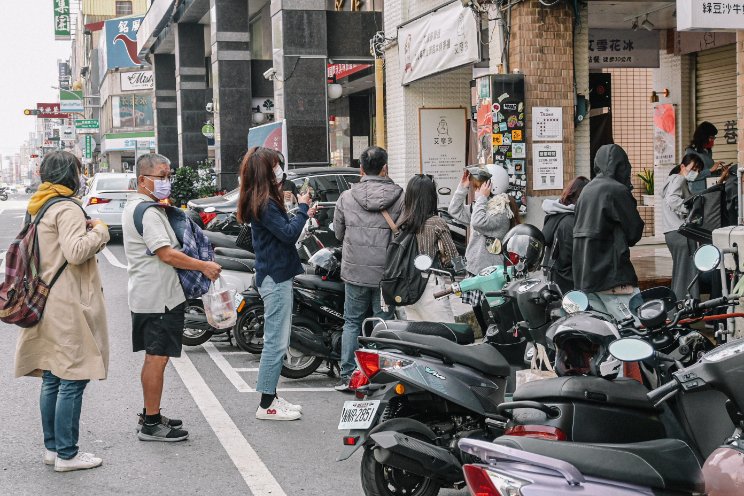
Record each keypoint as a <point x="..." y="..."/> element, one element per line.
<point x="524" y="243"/>
<point x="325" y="262"/>
<point x="581" y="343"/>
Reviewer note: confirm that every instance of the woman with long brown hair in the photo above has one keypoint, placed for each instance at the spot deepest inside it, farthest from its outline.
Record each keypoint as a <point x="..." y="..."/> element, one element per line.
<point x="274" y="234"/>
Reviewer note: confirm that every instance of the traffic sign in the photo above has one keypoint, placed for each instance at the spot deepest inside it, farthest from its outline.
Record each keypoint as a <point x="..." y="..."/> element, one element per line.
<point x="86" y="124"/>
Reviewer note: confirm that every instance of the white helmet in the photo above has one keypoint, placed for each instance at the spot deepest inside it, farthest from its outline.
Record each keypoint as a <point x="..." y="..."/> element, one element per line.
<point x="499" y="179"/>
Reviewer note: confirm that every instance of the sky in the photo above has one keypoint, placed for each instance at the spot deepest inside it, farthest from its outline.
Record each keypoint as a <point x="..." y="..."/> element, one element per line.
<point x="28" y="66"/>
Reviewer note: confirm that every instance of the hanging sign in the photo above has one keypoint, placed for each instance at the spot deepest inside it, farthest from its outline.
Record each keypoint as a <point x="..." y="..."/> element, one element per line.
<point x="50" y="111"/>
<point x="623" y="48"/>
<point x="134" y="81"/>
<point x="443" y="145"/>
<point x="71" y="101"/>
<point x="89" y="125"/>
<point x="665" y="125"/>
<point x="207" y="130"/>
<point x="547" y="160"/>
<point x="89" y="145"/>
<point x="547" y="123"/>
<point x="61" y="20"/>
<point x="439" y="41"/>
<point x="700" y="15"/>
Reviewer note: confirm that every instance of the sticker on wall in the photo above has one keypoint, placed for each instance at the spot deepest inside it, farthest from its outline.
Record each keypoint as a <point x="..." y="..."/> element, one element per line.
<point x="496" y="107"/>
<point x="502" y="126"/>
<point x="506" y="139"/>
<point x="518" y="166"/>
<point x="512" y="121"/>
<point x="516" y="135"/>
<point x="498" y="139"/>
<point x="519" y="150"/>
<point x="503" y="97"/>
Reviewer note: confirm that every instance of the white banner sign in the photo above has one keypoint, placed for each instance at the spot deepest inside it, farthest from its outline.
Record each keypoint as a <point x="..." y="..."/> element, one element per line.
<point x="439" y="41"/>
<point x="443" y="147"/>
<point x="701" y="15"/>
<point x="547" y="123"/>
<point x="547" y="160"/>
<point x="136" y="81"/>
<point x="623" y="48"/>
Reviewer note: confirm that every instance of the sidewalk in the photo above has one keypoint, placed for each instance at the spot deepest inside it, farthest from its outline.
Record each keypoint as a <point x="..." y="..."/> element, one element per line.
<point x="653" y="265"/>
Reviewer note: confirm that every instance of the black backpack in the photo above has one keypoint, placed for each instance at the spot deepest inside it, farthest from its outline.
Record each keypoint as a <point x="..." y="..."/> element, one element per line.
<point x="402" y="283"/>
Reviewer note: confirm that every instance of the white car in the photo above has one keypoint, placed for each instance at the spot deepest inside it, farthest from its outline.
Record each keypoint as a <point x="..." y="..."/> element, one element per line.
<point x="107" y="196"/>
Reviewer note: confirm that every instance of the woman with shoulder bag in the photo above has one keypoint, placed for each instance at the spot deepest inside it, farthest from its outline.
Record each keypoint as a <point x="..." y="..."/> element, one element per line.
<point x="274" y="235"/>
<point x="673" y="215"/>
<point x="434" y="240"/>
<point x="69" y="346"/>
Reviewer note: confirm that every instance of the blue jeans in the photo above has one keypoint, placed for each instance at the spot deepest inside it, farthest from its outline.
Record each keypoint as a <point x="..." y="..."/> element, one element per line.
<point x="277" y="300"/>
<point x="357" y="303"/>
<point x="60" y="403"/>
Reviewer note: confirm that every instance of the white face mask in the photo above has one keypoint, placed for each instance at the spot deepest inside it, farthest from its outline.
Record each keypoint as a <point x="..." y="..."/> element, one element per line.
<point x="279" y="173"/>
<point x="692" y="175"/>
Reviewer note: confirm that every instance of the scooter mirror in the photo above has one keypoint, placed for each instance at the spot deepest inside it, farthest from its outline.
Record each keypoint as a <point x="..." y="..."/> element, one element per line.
<point x="209" y="210"/>
<point x="493" y="246"/>
<point x="330" y="227"/>
<point x="575" y="301"/>
<point x="444" y="191"/>
<point x="707" y="258"/>
<point x="423" y="262"/>
<point x="631" y="349"/>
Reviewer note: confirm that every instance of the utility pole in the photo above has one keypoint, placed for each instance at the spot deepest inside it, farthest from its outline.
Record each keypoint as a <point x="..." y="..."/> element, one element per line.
<point x="376" y="48"/>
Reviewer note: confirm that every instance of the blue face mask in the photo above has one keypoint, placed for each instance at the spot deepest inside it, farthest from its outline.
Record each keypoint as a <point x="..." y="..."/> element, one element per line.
<point x="162" y="189"/>
<point x="692" y="175"/>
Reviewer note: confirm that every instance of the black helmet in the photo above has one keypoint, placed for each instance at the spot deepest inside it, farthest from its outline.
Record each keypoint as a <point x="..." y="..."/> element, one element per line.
<point x="525" y="243"/>
<point x="581" y="343"/>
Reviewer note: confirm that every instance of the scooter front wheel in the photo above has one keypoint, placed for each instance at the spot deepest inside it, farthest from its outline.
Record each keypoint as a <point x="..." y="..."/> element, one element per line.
<point x="249" y="329"/>
<point x="383" y="480"/>
<point x="195" y="336"/>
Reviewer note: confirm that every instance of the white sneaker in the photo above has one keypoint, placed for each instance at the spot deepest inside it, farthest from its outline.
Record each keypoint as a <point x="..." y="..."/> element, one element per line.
<point x="50" y="457"/>
<point x="289" y="406"/>
<point x="82" y="461"/>
<point x="276" y="411"/>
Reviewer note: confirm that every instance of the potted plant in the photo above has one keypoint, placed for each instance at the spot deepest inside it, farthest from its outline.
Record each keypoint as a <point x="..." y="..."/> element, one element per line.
<point x="647" y="178"/>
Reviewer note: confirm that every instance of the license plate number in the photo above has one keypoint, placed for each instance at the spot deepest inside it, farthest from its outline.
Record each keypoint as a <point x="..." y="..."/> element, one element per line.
<point x="358" y="414"/>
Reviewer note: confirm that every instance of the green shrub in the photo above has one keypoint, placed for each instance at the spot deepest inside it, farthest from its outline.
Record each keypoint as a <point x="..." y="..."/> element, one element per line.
<point x="192" y="182"/>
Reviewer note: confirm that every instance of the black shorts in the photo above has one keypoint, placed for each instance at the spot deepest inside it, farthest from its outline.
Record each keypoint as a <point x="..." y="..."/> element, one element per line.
<point x="159" y="333"/>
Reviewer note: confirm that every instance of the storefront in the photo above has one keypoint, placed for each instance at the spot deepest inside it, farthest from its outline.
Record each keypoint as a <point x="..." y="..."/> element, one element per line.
<point x="351" y="112"/>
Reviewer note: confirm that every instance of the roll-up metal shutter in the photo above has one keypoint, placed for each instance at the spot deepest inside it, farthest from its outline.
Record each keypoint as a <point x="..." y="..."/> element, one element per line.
<point x="715" y="95"/>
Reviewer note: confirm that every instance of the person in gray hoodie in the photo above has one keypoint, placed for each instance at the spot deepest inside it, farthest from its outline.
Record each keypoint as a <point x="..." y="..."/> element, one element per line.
<point x="360" y="224"/>
<point x="558" y="232"/>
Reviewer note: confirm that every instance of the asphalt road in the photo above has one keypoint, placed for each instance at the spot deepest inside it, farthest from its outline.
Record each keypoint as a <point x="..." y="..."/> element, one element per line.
<point x="210" y="388"/>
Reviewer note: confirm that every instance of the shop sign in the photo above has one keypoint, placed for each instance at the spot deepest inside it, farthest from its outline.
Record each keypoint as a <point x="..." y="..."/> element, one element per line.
<point x="691" y="42"/>
<point x="207" y="130"/>
<point x="439" y="41"/>
<point x="120" y="43"/>
<point x="665" y="125"/>
<point x="126" y="144"/>
<point x="547" y="160"/>
<point x="700" y="15"/>
<point x="443" y="144"/>
<point x="63" y="69"/>
<point x="623" y="48"/>
<point x="61" y="19"/>
<point x="50" y="111"/>
<point x="272" y="135"/>
<point x="134" y="81"/>
<point x="340" y="71"/>
<point x="71" y="101"/>
<point x="88" y="148"/>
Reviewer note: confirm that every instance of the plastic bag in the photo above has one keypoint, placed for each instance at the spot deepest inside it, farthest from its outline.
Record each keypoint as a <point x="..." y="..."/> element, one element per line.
<point x="219" y="305"/>
<point x="536" y="372"/>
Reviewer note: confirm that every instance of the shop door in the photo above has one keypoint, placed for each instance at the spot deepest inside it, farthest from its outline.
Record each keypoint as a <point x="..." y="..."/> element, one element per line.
<point x="715" y="96"/>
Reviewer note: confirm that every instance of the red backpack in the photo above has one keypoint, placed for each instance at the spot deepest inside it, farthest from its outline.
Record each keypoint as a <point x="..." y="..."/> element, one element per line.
<point x="23" y="295"/>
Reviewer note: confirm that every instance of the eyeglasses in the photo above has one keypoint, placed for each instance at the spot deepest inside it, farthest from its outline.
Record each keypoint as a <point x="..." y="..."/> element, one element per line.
<point x="168" y="178"/>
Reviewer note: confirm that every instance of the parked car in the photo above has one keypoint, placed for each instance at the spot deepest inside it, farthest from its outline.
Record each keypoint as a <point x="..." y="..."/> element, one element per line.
<point x="107" y="196"/>
<point x="326" y="185"/>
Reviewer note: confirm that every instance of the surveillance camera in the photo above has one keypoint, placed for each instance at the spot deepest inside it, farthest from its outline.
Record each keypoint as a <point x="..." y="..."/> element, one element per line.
<point x="210" y="107"/>
<point x="269" y="74"/>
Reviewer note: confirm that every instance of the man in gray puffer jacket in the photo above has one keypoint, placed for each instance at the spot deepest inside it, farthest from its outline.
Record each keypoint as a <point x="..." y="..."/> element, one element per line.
<point x="365" y="233"/>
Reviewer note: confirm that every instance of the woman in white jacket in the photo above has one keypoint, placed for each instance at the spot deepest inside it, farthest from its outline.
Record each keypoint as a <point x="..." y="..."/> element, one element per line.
<point x="675" y="193"/>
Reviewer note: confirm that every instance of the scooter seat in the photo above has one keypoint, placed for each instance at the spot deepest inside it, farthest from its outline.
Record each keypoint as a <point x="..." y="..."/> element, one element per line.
<point x="482" y="357"/>
<point x="457" y="333"/>
<point x="316" y="282"/>
<point x="666" y="464"/>
<point x="236" y="264"/>
<point x="220" y="240"/>
<point x="233" y="253"/>
<point x="620" y="392"/>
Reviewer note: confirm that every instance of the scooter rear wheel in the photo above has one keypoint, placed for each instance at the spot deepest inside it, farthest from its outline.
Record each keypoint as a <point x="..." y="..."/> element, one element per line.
<point x="382" y="480"/>
<point x="296" y="364"/>
<point x="195" y="337"/>
<point x="249" y="329"/>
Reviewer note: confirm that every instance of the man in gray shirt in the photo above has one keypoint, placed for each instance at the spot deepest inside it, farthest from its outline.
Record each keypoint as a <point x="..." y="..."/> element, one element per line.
<point x="156" y="299"/>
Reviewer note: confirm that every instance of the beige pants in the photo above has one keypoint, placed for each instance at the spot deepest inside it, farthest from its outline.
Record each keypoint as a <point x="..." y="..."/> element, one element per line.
<point x="428" y="308"/>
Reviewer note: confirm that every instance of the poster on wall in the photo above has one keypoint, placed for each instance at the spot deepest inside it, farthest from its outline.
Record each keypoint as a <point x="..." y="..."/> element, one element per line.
<point x="501" y="111"/>
<point x="272" y="135"/>
<point x="443" y="144"/>
<point x="547" y="123"/>
<point x="441" y="40"/>
<point x="665" y="125"/>
<point x="547" y="172"/>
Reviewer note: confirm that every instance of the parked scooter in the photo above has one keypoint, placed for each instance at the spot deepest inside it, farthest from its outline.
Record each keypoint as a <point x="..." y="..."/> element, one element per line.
<point x="522" y="465"/>
<point x="3" y="193"/>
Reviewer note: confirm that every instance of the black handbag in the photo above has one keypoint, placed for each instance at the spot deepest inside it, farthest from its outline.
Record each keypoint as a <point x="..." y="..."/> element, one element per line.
<point x="244" y="240"/>
<point x="705" y="215"/>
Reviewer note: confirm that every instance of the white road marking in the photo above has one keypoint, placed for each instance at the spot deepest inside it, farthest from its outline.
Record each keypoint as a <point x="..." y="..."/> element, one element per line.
<point x="235" y="353"/>
<point x="112" y="258"/>
<point x="254" y="369"/>
<point x="304" y="390"/>
<point x="227" y="369"/>
<point x="255" y="473"/>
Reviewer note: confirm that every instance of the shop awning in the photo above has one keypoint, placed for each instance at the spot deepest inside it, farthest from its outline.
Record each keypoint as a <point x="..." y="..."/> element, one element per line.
<point x="158" y="17"/>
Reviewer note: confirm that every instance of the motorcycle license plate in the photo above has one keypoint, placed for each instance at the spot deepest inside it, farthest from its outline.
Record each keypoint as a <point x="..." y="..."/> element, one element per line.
<point x="358" y="414"/>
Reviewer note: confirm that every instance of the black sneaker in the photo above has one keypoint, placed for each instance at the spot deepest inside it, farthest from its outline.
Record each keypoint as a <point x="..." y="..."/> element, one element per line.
<point x="162" y="433"/>
<point x="168" y="422"/>
<point x="343" y="386"/>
